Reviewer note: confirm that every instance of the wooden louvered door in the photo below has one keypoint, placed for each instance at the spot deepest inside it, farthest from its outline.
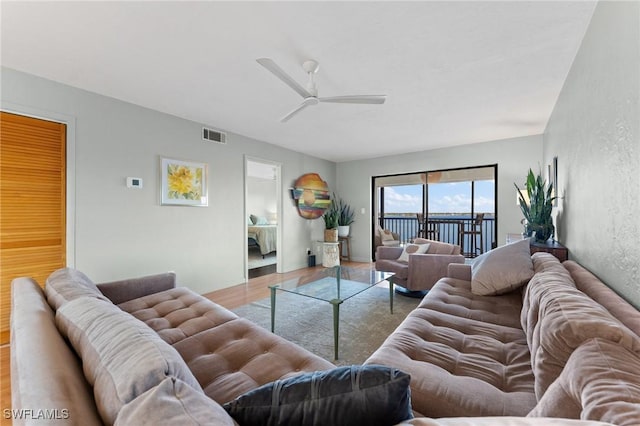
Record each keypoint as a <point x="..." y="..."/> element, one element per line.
<point x="32" y="203"/>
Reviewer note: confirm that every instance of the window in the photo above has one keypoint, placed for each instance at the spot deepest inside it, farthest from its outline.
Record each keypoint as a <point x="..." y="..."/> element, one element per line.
<point x="441" y="195"/>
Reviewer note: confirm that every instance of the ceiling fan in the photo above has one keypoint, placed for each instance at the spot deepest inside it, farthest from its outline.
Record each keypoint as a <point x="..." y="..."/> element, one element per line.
<point x="310" y="93"/>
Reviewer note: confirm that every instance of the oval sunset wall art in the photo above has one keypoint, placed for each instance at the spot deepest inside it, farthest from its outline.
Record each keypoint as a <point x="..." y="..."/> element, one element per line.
<point x="312" y="194"/>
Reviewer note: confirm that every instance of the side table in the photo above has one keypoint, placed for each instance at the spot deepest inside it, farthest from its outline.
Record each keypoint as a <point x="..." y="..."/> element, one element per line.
<point x="345" y="243"/>
<point x="553" y="247"/>
<point x="330" y="254"/>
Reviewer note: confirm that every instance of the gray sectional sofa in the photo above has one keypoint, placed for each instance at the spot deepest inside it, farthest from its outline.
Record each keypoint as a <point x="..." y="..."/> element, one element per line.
<point x="144" y="351"/>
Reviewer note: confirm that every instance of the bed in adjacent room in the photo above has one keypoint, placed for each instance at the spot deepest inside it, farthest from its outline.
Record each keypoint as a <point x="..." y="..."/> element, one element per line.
<point x="262" y="235"/>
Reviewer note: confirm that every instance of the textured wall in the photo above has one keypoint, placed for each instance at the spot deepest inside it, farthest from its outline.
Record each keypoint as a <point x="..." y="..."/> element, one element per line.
<point x="594" y="131"/>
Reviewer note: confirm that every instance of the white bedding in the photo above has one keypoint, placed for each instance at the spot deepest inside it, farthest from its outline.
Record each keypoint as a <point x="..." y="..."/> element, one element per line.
<point x="265" y="237"/>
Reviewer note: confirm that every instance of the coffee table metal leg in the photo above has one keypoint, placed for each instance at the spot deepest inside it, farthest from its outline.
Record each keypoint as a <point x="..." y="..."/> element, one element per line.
<point x="273" y="307"/>
<point x="336" y="325"/>
<point x="390" y="295"/>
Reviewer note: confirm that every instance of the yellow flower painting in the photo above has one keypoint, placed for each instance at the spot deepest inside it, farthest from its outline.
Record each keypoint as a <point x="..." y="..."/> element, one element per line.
<point x="183" y="183"/>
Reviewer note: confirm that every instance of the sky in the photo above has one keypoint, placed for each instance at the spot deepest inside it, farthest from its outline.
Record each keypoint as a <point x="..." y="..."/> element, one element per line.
<point x="443" y="198"/>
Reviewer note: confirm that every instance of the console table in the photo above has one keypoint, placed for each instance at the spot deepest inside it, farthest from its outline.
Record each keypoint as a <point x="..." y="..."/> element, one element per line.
<point x="553" y="247"/>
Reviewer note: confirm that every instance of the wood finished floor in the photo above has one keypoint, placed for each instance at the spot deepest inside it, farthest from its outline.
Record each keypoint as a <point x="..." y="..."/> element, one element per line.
<point x="230" y="298"/>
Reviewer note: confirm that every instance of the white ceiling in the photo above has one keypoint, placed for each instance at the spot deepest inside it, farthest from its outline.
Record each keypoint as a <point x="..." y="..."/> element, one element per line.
<point x="454" y="72"/>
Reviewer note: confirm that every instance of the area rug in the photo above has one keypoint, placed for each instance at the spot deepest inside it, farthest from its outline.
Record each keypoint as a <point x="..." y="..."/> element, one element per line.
<point x="365" y="322"/>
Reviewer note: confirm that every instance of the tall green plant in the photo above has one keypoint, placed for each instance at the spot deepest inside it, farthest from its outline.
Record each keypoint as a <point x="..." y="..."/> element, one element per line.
<point x="537" y="211"/>
<point x="331" y="215"/>
<point x="346" y="213"/>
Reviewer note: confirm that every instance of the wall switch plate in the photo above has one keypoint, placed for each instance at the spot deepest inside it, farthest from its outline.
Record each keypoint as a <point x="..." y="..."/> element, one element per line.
<point x="134" y="182"/>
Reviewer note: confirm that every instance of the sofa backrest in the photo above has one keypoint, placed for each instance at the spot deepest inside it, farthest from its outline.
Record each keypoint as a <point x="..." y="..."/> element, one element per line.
<point x="558" y="318"/>
<point x="601" y="381"/>
<point x="438" y="247"/>
<point x="45" y="372"/>
<point x="598" y="291"/>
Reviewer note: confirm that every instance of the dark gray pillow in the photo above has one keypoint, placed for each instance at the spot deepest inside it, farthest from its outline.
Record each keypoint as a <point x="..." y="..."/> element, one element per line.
<point x="351" y="395"/>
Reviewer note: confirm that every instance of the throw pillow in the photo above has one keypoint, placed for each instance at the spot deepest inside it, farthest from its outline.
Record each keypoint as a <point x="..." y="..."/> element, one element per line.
<point x="173" y="402"/>
<point x="253" y="218"/>
<point x="371" y="395"/>
<point x="502" y="270"/>
<point x="261" y="220"/>
<point x="386" y="235"/>
<point x="412" y="249"/>
<point x="121" y="356"/>
<point x="68" y="284"/>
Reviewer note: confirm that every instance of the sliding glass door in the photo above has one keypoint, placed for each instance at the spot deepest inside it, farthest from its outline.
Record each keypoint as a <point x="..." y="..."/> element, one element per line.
<point x="449" y="203"/>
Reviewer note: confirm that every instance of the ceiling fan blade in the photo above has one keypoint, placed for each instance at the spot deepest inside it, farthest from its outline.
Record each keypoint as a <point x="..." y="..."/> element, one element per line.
<point x="279" y="72"/>
<point x="355" y="99"/>
<point x="294" y="112"/>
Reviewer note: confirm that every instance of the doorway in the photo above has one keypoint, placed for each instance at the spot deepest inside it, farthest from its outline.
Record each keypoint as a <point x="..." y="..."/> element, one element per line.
<point x="263" y="204"/>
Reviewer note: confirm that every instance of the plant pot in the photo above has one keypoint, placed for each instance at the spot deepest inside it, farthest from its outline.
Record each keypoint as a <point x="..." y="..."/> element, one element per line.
<point x="343" y="230"/>
<point x="543" y="232"/>
<point x="331" y="235"/>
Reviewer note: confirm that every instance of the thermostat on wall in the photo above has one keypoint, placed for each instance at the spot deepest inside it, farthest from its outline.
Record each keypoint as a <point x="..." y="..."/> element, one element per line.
<point x="134" y="182"/>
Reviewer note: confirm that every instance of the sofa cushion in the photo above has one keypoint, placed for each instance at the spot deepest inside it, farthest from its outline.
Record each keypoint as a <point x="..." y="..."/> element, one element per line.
<point x="238" y="356"/>
<point x="372" y="395"/>
<point x="122" y="357"/>
<point x="68" y="284"/>
<point x="502" y="270"/>
<point x="559" y="320"/>
<point x="601" y="381"/>
<point x="177" y="313"/>
<point x="466" y="354"/>
<point x="412" y="249"/>
<point x="173" y="402"/>
<point x="546" y="262"/>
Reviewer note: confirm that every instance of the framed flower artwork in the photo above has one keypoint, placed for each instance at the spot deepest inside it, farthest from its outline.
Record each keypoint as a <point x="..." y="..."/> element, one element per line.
<point x="183" y="183"/>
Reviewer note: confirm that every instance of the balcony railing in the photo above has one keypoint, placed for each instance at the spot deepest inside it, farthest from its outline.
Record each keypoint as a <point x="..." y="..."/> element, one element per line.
<point x="447" y="229"/>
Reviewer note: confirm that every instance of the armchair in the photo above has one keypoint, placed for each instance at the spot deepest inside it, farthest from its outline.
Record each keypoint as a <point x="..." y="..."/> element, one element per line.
<point x="379" y="241"/>
<point x="422" y="271"/>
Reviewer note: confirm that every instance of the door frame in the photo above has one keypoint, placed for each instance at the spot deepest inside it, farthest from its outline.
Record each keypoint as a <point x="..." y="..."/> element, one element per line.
<point x="279" y="210"/>
<point x="70" y="122"/>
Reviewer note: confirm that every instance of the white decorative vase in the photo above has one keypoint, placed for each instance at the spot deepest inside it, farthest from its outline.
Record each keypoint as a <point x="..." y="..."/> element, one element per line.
<point x="343" y="231"/>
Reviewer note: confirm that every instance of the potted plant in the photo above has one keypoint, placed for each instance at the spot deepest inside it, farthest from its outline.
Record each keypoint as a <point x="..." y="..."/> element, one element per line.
<point x="345" y="218"/>
<point x="330" y="217"/>
<point x="537" y="211"/>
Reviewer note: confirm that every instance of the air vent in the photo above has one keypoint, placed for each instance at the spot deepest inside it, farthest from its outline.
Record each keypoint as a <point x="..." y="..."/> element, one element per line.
<point x="213" y="135"/>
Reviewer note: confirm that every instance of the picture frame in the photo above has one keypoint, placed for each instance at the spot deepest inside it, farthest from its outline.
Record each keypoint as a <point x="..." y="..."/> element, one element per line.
<point x="183" y="183"/>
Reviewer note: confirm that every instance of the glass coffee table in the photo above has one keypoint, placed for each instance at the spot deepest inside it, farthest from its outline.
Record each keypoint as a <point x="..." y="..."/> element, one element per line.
<point x="333" y="285"/>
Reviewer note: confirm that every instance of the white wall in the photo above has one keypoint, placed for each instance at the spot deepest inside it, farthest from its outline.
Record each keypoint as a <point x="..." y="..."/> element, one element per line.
<point x="261" y="196"/>
<point x="122" y="232"/>
<point x="595" y="133"/>
<point x="513" y="156"/>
